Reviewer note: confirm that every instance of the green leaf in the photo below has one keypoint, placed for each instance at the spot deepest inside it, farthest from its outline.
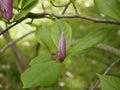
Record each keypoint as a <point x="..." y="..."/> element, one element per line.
<point x="25" y="11"/>
<point x="43" y="35"/>
<point x="43" y="72"/>
<point x="59" y="27"/>
<point x="110" y="8"/>
<point x="0" y="17"/>
<point x="27" y="3"/>
<point x="16" y="2"/>
<point x="90" y="40"/>
<point x="109" y="82"/>
<point x="41" y="58"/>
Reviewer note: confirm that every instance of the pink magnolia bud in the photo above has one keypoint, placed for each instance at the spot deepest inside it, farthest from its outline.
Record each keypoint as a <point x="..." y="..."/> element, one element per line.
<point x="6" y="7"/>
<point x="62" y="47"/>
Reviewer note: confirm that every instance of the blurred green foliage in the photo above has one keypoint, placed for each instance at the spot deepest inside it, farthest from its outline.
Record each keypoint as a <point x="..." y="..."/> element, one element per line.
<point x="82" y="68"/>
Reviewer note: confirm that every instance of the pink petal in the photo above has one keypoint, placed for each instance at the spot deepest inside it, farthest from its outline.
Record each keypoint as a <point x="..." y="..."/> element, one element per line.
<point x="62" y="47"/>
<point x="6" y="7"/>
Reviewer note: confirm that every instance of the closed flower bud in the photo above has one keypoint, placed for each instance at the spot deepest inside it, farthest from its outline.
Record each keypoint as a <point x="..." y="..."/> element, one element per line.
<point x="62" y="48"/>
<point x="6" y="7"/>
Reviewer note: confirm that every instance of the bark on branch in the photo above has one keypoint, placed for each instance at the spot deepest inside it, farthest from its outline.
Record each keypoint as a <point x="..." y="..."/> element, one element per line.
<point x="21" y="61"/>
<point x="109" y="49"/>
<point x="48" y="15"/>
<point x="94" y="19"/>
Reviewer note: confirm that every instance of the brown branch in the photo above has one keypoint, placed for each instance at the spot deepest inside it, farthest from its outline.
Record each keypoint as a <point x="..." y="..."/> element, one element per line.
<point x="97" y="20"/>
<point x="66" y="7"/>
<point x="104" y="47"/>
<point x="106" y="72"/>
<point x="36" y="49"/>
<point x="110" y="67"/>
<point x="21" y="61"/>
<point x="43" y="7"/>
<point x="109" y="49"/>
<point x="17" y="22"/>
<point x="58" y="5"/>
<point x="48" y="14"/>
<point x="75" y="8"/>
<point x="8" y="39"/>
<point x="13" y="42"/>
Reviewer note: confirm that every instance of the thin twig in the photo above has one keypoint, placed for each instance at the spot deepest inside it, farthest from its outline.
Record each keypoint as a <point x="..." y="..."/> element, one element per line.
<point x="20" y="60"/>
<point x="109" y="49"/>
<point x="17" y="22"/>
<point x="14" y="41"/>
<point x="106" y="72"/>
<point x="43" y="7"/>
<point x="36" y="49"/>
<point x="97" y="20"/>
<point x="45" y="15"/>
<point x="64" y="10"/>
<point x="58" y="5"/>
<point x="104" y="47"/>
<point x="75" y="8"/>
<point x="110" y="67"/>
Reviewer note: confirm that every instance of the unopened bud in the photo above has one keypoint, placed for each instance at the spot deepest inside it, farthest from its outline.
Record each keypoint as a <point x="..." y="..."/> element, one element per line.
<point x="62" y="48"/>
<point x="6" y="7"/>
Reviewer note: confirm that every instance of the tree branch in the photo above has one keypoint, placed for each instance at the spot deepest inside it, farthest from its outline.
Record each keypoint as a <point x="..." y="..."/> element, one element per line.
<point x="48" y="14"/>
<point x="104" y="47"/>
<point x="21" y="61"/>
<point x="37" y="47"/>
<point x="97" y="20"/>
<point x="109" y="49"/>
<point x="66" y="7"/>
<point x="13" y="42"/>
<point x="106" y="72"/>
<point x="58" y="5"/>
<point x="17" y="22"/>
<point x="74" y="6"/>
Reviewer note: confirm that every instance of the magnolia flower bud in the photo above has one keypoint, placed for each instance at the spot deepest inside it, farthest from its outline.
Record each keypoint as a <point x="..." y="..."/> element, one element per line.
<point x="62" y="47"/>
<point x="6" y="7"/>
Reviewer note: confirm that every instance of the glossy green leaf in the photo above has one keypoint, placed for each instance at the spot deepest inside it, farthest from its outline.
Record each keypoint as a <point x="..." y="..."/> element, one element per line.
<point x="90" y="40"/>
<point x="27" y="3"/>
<point x="43" y="35"/>
<point x="109" y="82"/>
<point x="25" y="11"/>
<point x="59" y="27"/>
<point x="43" y="72"/>
<point x="110" y="8"/>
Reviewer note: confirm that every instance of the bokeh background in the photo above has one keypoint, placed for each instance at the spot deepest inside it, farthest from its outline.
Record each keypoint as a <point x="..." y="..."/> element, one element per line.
<point x="79" y="72"/>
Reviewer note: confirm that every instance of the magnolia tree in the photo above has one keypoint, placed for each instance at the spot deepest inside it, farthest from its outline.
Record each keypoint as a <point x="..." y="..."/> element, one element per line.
<point x="44" y="70"/>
